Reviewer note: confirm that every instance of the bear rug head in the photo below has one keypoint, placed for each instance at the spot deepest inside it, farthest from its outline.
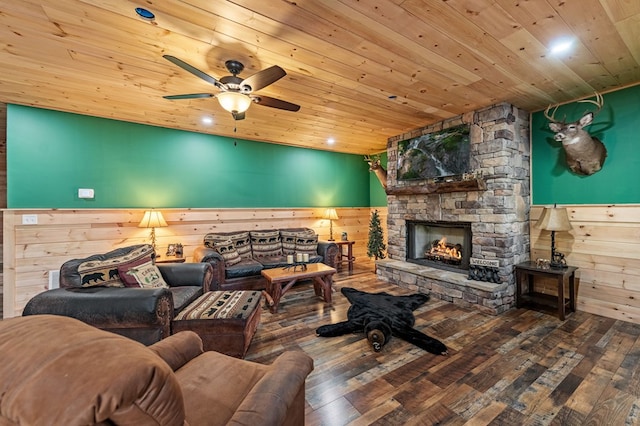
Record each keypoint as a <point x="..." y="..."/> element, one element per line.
<point x="381" y="315"/>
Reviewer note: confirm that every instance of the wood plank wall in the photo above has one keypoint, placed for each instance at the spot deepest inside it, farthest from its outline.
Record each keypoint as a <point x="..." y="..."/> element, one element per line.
<point x="605" y="245"/>
<point x="3" y="182"/>
<point x="33" y="250"/>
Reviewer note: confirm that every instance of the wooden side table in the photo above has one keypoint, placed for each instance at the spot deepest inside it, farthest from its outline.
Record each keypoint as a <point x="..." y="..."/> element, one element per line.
<point x="526" y="271"/>
<point x="345" y="257"/>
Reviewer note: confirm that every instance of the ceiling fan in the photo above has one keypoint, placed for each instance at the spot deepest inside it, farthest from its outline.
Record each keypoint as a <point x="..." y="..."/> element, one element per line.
<point x="237" y="94"/>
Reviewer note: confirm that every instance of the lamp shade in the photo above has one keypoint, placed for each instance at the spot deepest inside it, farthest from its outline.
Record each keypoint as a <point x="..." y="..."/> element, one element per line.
<point x="152" y="219"/>
<point x="330" y="214"/>
<point x="234" y="101"/>
<point x="554" y="219"/>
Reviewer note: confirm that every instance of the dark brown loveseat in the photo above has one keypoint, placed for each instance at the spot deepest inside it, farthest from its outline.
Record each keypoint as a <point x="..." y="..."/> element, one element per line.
<point x="98" y="298"/>
<point x="239" y="257"/>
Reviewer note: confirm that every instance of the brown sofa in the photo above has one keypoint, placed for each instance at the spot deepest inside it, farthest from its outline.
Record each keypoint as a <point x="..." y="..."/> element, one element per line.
<point x="238" y="257"/>
<point x="59" y="371"/>
<point x="142" y="314"/>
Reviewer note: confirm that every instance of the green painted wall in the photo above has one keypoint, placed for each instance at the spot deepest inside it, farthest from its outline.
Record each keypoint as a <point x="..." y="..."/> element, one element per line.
<point x="618" y="127"/>
<point x="51" y="154"/>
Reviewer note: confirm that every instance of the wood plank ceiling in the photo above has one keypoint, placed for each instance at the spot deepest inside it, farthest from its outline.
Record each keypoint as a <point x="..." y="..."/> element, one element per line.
<point x="361" y="70"/>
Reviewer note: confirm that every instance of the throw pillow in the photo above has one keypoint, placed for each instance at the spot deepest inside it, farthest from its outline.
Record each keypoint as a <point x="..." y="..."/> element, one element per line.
<point x="227" y="250"/>
<point x="241" y="240"/>
<point x="265" y="243"/>
<point x="130" y="280"/>
<point x="148" y="276"/>
<point x="104" y="273"/>
<point x="289" y="239"/>
<point x="307" y="244"/>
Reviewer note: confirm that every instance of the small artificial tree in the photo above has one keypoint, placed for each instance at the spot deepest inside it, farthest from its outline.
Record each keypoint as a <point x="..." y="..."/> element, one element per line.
<point x="375" y="246"/>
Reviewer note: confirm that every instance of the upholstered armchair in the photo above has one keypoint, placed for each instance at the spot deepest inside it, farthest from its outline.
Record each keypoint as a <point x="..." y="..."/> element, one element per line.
<point x="59" y="371"/>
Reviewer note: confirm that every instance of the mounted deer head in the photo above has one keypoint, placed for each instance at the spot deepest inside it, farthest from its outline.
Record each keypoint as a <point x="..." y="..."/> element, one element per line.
<point x="374" y="166"/>
<point x="585" y="153"/>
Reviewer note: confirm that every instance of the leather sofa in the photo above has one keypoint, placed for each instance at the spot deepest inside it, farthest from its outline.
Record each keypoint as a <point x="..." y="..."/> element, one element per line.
<point x="258" y="250"/>
<point x="142" y="314"/>
<point x="59" y="371"/>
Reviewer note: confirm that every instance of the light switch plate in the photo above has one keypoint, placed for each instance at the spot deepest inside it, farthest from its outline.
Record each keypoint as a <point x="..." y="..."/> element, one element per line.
<point x="85" y="193"/>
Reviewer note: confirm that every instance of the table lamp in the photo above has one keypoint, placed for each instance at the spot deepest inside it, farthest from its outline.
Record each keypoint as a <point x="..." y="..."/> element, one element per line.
<point x="152" y="219"/>
<point x="555" y="219"/>
<point x="331" y="215"/>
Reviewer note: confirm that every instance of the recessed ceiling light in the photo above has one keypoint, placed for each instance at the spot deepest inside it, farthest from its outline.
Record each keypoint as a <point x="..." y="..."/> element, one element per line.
<point x="207" y="120"/>
<point x="331" y="141"/>
<point x="560" y="46"/>
<point x="145" y="14"/>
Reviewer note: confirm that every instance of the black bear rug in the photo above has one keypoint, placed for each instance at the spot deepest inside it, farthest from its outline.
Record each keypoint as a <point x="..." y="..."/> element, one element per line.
<point x="381" y="315"/>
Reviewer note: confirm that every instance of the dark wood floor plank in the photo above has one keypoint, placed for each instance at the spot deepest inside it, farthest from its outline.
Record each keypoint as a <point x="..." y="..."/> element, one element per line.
<point x="520" y="368"/>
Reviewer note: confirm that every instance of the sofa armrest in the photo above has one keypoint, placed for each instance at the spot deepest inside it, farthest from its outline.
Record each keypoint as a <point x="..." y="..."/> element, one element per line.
<point x="212" y="257"/>
<point x="178" y="349"/>
<point x="108" y="307"/>
<point x="329" y="252"/>
<point x="272" y="399"/>
<point x="187" y="274"/>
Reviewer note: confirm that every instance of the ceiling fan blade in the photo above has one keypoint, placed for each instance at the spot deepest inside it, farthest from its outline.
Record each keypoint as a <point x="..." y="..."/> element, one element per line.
<point x="190" y="96"/>
<point x="263" y="78"/>
<point x="275" y="103"/>
<point x="195" y="71"/>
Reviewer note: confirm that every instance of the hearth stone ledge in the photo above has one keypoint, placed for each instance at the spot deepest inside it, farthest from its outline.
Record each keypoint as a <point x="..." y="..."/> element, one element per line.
<point x="453" y="287"/>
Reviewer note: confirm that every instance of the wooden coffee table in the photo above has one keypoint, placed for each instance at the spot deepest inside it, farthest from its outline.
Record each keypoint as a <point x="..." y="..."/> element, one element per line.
<point x="280" y="280"/>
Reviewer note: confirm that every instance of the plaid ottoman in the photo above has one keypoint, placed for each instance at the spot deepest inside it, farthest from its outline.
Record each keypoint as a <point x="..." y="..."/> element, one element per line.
<point x="225" y="320"/>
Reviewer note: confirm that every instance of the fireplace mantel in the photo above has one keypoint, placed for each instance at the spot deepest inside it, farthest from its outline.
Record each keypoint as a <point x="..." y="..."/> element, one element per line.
<point x="439" y="187"/>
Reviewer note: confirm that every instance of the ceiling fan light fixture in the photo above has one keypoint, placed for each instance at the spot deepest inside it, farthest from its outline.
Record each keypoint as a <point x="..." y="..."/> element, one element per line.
<point x="234" y="101"/>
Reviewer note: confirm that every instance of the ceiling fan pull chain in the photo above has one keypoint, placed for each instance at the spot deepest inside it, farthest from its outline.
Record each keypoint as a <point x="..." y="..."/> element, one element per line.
<point x="235" y="130"/>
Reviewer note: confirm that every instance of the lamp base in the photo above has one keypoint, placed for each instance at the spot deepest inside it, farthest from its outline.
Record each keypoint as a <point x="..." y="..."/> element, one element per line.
<point x="557" y="260"/>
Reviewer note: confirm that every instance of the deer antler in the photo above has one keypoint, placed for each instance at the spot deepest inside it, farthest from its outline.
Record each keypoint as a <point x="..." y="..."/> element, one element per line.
<point x="552" y="116"/>
<point x="599" y="102"/>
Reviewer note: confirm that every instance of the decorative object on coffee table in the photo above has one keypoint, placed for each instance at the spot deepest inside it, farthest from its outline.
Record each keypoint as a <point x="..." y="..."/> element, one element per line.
<point x="332" y="215"/>
<point x="555" y="219"/>
<point x="153" y="219"/>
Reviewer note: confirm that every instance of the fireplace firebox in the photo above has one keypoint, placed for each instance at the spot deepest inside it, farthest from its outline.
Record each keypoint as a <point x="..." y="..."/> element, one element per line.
<point x="444" y="245"/>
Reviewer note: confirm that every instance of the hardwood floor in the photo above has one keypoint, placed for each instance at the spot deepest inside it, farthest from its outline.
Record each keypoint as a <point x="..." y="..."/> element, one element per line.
<point x="519" y="368"/>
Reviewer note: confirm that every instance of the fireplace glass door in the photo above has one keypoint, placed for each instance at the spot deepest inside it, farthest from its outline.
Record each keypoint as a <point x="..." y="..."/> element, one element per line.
<point x="445" y="245"/>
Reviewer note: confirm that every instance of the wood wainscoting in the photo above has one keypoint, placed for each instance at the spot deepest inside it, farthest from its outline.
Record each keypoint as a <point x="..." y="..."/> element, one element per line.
<point x="31" y="251"/>
<point x="605" y="245"/>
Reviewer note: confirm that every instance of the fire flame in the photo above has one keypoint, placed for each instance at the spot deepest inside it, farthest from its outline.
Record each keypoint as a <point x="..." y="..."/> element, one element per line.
<point x="441" y="249"/>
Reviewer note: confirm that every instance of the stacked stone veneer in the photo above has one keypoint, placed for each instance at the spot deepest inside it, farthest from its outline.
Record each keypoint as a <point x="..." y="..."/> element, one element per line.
<point x="499" y="214"/>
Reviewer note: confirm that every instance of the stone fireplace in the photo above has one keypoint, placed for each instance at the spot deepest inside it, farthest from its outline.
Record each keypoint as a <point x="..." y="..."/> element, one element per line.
<point x="489" y="208"/>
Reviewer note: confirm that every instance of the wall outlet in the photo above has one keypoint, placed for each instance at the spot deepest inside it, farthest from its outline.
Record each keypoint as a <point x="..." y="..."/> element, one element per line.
<point x="29" y="219"/>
